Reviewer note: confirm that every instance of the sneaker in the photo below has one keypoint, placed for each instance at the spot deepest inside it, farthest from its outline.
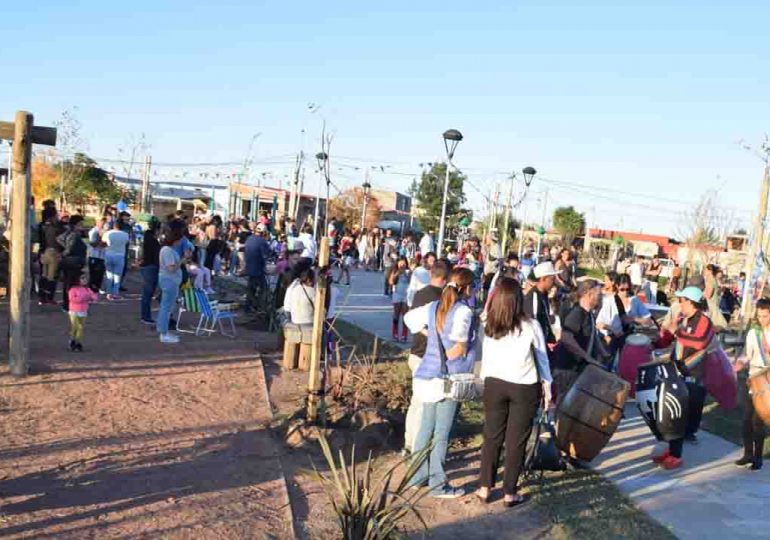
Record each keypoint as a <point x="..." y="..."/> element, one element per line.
<point x="745" y="460"/>
<point x="447" y="492"/>
<point x="147" y="321"/>
<point x="169" y="338"/>
<point x="662" y="457"/>
<point x="78" y="347"/>
<point x="671" y="463"/>
<point x="102" y="291"/>
<point x="73" y="345"/>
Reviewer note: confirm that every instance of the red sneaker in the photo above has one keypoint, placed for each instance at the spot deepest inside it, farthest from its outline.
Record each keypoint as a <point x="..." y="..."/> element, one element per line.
<point x="671" y="463"/>
<point x="661" y="458"/>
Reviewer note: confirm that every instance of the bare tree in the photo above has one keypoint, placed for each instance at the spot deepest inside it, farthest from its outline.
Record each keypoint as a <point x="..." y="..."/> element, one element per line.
<point x="132" y="152"/>
<point x="69" y="142"/>
<point x="705" y="227"/>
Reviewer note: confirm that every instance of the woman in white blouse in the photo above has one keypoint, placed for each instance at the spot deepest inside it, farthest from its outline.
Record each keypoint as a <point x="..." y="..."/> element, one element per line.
<point x="515" y="370"/>
<point x="298" y="302"/>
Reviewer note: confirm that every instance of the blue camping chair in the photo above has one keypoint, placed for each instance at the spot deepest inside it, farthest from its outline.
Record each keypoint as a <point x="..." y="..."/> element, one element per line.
<point x="211" y="317"/>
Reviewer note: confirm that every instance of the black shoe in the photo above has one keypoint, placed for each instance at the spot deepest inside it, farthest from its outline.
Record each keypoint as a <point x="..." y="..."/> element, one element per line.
<point x="79" y="347"/>
<point x="123" y="289"/>
<point x="745" y="460"/>
<point x="73" y="345"/>
<point x="756" y="464"/>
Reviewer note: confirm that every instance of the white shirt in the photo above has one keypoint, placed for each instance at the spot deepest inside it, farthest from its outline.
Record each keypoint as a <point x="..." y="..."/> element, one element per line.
<point x="510" y="358"/>
<point x="753" y="351"/>
<point x="298" y="303"/>
<point x="610" y="316"/>
<point x="116" y="241"/>
<point x="95" y="235"/>
<point x="420" y="280"/>
<point x="426" y="244"/>
<point x="635" y="273"/>
<point x="310" y="245"/>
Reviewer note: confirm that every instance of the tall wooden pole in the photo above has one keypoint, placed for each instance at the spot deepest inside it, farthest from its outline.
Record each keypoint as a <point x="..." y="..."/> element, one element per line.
<point x="747" y="304"/>
<point x="319" y="316"/>
<point x="18" y="345"/>
<point x="512" y="179"/>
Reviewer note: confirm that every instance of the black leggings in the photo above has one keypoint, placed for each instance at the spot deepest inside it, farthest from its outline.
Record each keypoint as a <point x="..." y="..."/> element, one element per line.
<point x="754" y="431"/>
<point x="695" y="403"/>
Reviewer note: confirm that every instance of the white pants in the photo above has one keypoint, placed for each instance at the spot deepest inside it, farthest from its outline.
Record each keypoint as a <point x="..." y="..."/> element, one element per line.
<point x="202" y="276"/>
<point x="414" y="413"/>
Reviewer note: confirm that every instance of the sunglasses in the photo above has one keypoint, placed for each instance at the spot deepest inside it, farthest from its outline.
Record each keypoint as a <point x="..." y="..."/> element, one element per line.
<point x="623" y="289"/>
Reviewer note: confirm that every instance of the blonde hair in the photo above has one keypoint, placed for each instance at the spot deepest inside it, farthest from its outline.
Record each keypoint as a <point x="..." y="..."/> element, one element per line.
<point x="459" y="279"/>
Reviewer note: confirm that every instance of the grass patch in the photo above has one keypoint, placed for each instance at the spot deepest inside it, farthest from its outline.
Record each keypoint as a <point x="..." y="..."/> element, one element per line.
<point x="582" y="504"/>
<point x="364" y="341"/>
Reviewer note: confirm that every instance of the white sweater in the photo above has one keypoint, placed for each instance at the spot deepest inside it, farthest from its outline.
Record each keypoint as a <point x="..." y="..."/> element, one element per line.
<point x="510" y="357"/>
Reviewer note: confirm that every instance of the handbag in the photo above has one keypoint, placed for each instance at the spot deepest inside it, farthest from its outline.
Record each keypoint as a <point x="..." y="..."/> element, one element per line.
<point x="458" y="386"/>
<point x="545" y="455"/>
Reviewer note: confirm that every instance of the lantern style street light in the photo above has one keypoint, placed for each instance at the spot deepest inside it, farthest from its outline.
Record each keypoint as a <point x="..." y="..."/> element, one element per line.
<point x="322" y="159"/>
<point x="452" y="138"/>
<point x="367" y="189"/>
<point x="529" y="173"/>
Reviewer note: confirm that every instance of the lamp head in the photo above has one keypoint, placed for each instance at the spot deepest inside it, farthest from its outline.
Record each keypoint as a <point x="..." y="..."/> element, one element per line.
<point x="452" y="138"/>
<point x="529" y="173"/>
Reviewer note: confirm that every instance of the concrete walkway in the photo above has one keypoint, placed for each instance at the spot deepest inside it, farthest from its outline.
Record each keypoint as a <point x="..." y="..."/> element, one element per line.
<point x="708" y="497"/>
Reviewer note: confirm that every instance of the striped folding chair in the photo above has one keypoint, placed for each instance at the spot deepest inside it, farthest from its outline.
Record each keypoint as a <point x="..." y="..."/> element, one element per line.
<point x="211" y="317"/>
<point x="188" y="303"/>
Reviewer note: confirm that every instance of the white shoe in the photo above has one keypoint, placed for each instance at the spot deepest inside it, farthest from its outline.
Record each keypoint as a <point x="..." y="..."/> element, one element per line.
<point x="169" y="338"/>
<point x="210" y="291"/>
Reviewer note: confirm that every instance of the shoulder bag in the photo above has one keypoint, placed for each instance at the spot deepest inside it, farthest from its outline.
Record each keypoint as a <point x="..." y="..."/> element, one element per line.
<point x="458" y="386"/>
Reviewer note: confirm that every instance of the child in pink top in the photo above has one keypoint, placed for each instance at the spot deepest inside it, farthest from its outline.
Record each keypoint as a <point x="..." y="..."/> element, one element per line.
<point x="80" y="296"/>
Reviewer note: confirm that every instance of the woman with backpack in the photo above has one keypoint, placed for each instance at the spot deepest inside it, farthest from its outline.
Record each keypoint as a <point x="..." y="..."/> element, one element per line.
<point x="450" y="327"/>
<point x="516" y="373"/>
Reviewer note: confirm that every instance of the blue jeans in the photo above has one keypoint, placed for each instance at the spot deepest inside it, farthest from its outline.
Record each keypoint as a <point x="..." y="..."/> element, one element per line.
<point x="150" y="277"/>
<point x="114" y="264"/>
<point x="169" y="289"/>
<point x="435" y="424"/>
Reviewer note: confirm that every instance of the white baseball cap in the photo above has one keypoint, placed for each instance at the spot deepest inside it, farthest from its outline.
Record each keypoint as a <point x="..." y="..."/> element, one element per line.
<point x="544" y="269"/>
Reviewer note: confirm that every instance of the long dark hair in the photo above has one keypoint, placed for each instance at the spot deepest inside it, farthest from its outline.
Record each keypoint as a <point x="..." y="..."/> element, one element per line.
<point x="173" y="231"/>
<point x="459" y="280"/>
<point x="506" y="309"/>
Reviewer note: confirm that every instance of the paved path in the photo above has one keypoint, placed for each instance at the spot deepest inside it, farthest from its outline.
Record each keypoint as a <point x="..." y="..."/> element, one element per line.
<point x="363" y="303"/>
<point x="708" y="498"/>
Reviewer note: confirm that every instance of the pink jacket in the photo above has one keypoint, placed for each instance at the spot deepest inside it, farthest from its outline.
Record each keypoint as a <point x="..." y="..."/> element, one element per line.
<point x="80" y="297"/>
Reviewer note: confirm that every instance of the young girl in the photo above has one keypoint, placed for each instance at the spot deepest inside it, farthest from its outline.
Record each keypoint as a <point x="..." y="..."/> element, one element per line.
<point x="80" y="296"/>
<point x="399" y="282"/>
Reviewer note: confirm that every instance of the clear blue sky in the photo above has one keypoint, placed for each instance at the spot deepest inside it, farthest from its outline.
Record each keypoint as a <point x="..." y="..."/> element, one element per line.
<point x="648" y="99"/>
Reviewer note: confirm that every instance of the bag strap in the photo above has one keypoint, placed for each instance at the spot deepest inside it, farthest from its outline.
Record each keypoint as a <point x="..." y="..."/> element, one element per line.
<point x="441" y="348"/>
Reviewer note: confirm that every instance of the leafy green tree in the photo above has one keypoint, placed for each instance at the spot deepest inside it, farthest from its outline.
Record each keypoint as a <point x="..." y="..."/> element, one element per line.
<point x="429" y="194"/>
<point x="85" y="183"/>
<point x="568" y="222"/>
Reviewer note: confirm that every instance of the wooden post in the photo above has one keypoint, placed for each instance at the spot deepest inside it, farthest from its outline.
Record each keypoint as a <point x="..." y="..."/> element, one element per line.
<point x="319" y="316"/>
<point x="20" y="281"/>
<point x="24" y="133"/>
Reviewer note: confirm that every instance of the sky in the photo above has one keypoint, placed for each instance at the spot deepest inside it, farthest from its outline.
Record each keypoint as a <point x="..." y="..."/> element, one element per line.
<point x="630" y="111"/>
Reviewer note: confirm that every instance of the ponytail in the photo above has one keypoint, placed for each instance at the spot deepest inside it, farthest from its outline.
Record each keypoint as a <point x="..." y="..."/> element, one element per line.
<point x="459" y="279"/>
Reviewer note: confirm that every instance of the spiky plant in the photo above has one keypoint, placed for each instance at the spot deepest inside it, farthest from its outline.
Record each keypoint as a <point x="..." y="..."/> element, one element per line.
<point x="369" y="508"/>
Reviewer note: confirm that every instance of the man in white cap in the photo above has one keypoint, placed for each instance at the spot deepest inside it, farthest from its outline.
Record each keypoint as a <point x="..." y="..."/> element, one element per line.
<point x="536" y="304"/>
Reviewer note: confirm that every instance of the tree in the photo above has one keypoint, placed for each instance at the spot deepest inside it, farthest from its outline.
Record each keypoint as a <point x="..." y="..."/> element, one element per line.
<point x="349" y="204"/>
<point x="45" y="180"/>
<point x="69" y="141"/>
<point x="568" y="222"/>
<point x="85" y="183"/>
<point x="705" y="228"/>
<point x="429" y="194"/>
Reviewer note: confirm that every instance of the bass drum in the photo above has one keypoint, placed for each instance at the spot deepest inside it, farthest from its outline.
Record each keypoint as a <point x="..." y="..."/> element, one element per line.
<point x="759" y="388"/>
<point x="590" y="412"/>
<point x="635" y="352"/>
<point x="662" y="398"/>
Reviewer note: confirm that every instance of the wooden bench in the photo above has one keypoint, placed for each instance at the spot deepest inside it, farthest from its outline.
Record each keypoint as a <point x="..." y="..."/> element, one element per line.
<point x="297" y="345"/>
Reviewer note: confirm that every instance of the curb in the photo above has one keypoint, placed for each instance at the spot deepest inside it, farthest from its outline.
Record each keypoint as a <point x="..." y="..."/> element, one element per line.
<point x="287" y="502"/>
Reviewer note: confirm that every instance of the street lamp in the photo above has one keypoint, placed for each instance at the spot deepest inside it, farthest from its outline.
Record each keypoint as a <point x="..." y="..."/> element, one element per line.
<point x="322" y="159"/>
<point x="367" y="189"/>
<point x="529" y="174"/>
<point x="452" y="138"/>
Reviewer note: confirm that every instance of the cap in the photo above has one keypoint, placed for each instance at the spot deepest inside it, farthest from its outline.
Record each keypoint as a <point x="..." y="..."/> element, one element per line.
<point x="261" y="227"/>
<point x="693" y="294"/>
<point x="544" y="269"/>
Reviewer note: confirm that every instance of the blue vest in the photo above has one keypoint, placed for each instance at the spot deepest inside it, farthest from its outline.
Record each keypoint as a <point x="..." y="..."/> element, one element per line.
<point x="430" y="367"/>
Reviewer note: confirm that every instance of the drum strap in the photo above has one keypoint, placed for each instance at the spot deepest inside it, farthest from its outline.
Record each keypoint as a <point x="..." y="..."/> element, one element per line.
<point x="764" y="347"/>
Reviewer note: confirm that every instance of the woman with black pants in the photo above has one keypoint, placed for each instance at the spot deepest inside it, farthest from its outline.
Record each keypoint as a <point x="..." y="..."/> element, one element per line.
<point x="515" y="370"/>
<point x="73" y="257"/>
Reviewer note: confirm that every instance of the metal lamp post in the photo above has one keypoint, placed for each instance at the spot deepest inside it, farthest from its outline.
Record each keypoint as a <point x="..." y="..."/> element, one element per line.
<point x="367" y="189"/>
<point x="529" y="174"/>
<point x="321" y="157"/>
<point x="452" y="138"/>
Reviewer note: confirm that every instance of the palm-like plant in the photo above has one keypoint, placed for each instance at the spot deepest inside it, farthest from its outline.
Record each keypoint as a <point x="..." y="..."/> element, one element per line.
<point x="369" y="508"/>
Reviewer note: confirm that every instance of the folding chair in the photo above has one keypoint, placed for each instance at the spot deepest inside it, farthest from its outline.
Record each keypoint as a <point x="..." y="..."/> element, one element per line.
<point x="211" y="317"/>
<point x="188" y="303"/>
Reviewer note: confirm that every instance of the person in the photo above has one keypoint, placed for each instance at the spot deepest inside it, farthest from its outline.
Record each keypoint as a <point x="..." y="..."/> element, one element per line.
<point x="74" y="251"/>
<point x="653" y="271"/>
<point x="448" y="324"/>
<point x="116" y="242"/>
<point x="515" y="370"/>
<point x="536" y="304"/>
<point x="215" y="246"/>
<point x="298" y="302"/>
<point x="578" y="344"/>
<point x="241" y="237"/>
<point x="124" y="218"/>
<point x="426" y="243"/>
<point x="362" y="246"/>
<point x="399" y="282"/>
<point x="694" y="333"/>
<point x="430" y="293"/>
<point x="755" y="358"/>
<point x="631" y="309"/>
<point x="711" y="296"/>
<point x="256" y="253"/>
<point x="492" y="256"/>
<point x="346" y="252"/>
<point x="740" y="286"/>
<point x="79" y="296"/>
<point x="149" y="269"/>
<point x="169" y="277"/>
<point x="389" y="255"/>
<point x="420" y="277"/>
<point x="96" y="268"/>
<point x="309" y="243"/>
<point x="676" y="276"/>
<point x="511" y="268"/>
<point x="636" y="271"/>
<point x="50" y="229"/>
<point x="566" y="276"/>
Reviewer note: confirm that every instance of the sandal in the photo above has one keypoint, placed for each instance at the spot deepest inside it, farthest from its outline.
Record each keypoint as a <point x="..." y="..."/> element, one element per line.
<point x="516" y="502"/>
<point x="478" y="495"/>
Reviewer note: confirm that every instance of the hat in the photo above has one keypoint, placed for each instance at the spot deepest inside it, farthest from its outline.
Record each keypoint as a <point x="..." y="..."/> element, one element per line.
<point x="261" y="227"/>
<point x="694" y="294"/>
<point x="544" y="269"/>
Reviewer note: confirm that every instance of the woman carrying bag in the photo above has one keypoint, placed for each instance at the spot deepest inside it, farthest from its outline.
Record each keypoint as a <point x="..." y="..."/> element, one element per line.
<point x="516" y="373"/>
<point x="448" y="325"/>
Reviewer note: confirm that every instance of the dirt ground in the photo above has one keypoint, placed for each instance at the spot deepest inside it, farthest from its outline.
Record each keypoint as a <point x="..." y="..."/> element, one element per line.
<point x="135" y="439"/>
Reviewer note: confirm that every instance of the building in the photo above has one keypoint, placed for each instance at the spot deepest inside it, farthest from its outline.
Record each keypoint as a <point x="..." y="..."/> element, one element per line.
<point x="246" y="197"/>
<point x="395" y="209"/>
<point x="649" y="245"/>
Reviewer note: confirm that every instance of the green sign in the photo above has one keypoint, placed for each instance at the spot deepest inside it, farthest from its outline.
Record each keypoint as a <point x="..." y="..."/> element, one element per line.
<point x="541" y="230"/>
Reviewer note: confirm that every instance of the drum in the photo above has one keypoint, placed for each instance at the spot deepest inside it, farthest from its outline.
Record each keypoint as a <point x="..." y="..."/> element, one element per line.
<point x="759" y="388"/>
<point x="590" y="412"/>
<point x="662" y="398"/>
<point x="635" y="352"/>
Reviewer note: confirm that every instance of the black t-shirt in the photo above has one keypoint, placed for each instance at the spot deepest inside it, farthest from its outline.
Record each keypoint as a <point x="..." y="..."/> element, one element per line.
<point x="536" y="307"/>
<point x="242" y="237"/>
<point x="150" y="250"/>
<point x="424" y="296"/>
<point x="580" y="323"/>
